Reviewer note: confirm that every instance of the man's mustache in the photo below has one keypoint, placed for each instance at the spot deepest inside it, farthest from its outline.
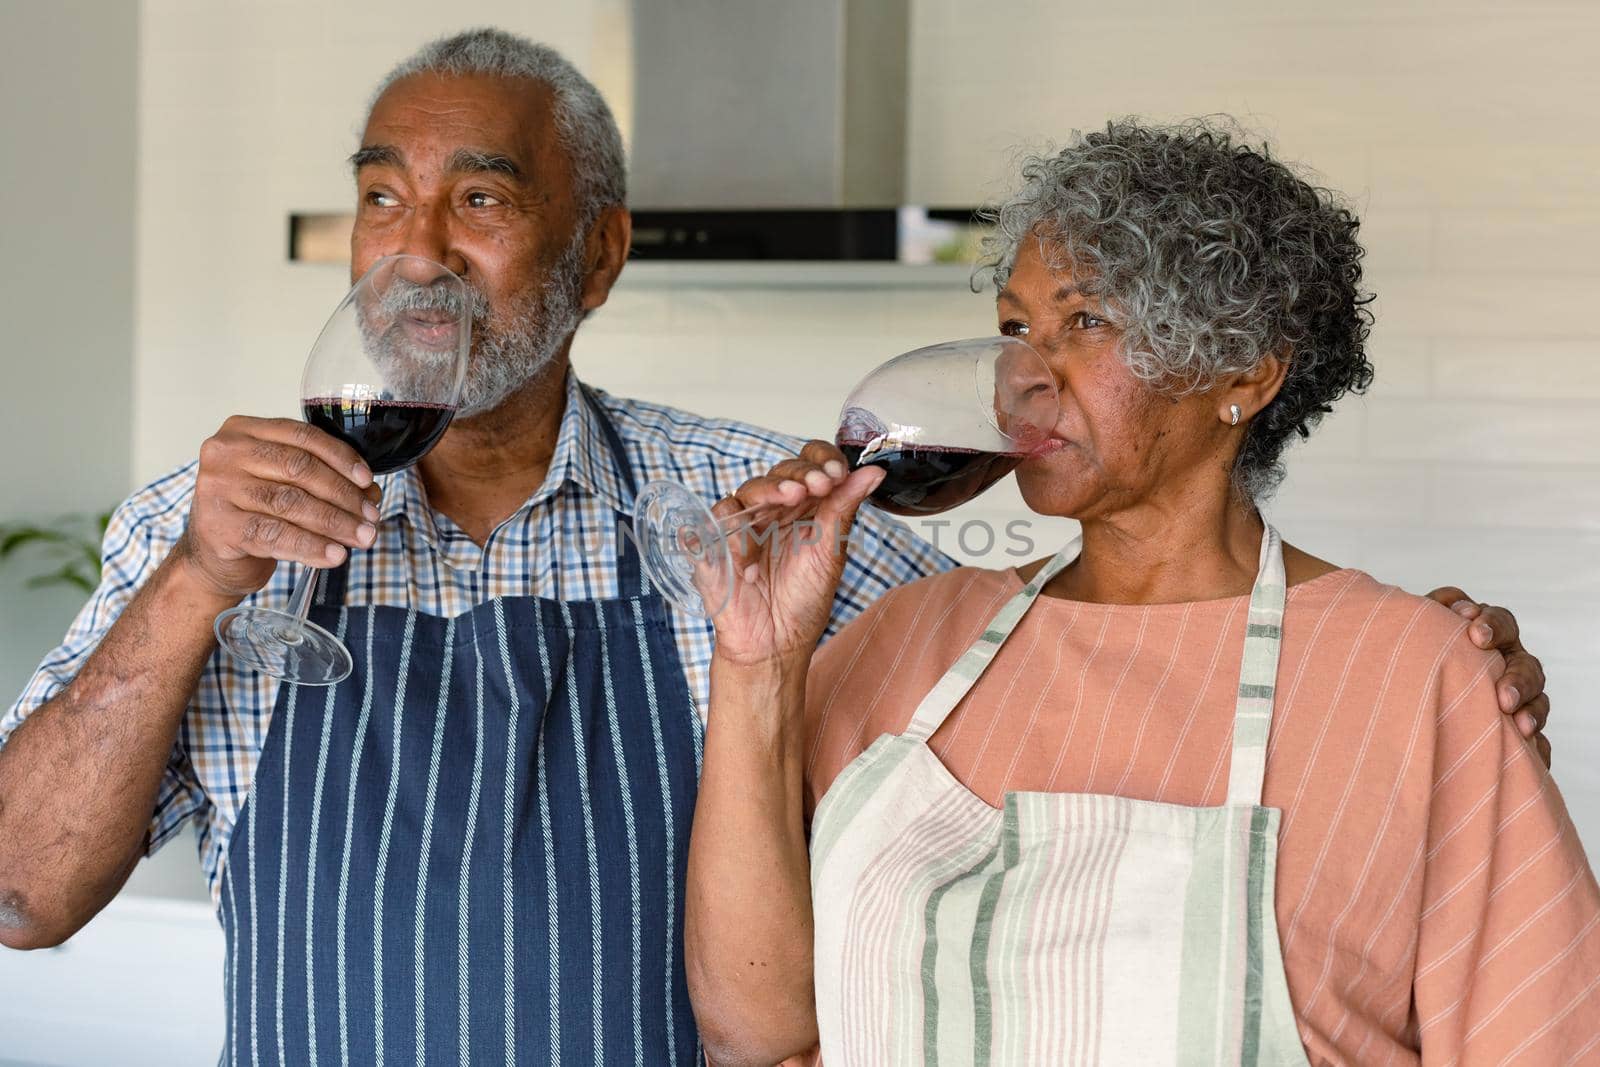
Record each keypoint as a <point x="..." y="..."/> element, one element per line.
<point x="402" y="296"/>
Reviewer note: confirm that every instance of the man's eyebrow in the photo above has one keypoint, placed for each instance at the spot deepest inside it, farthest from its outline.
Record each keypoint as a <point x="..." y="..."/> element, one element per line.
<point x="476" y="161"/>
<point x="376" y="155"/>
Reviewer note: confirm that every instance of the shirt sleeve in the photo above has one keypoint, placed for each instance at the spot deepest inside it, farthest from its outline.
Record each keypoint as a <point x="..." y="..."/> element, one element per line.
<point x="1508" y="950"/>
<point x="141" y="533"/>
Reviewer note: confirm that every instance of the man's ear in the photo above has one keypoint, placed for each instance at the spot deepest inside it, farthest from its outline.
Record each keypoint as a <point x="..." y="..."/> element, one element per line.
<point x="605" y="253"/>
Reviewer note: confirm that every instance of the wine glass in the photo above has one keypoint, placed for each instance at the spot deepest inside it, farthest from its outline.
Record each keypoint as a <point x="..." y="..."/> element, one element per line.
<point x="945" y="422"/>
<point x="384" y="377"/>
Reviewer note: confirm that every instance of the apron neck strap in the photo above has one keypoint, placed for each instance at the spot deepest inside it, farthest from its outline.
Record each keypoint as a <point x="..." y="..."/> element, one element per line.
<point x="630" y="575"/>
<point x="943" y="697"/>
<point x="1258" y="674"/>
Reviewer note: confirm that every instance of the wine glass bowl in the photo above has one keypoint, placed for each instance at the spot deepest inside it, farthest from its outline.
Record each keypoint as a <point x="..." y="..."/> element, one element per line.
<point x="395" y="362"/>
<point x="384" y="376"/>
<point x="939" y="443"/>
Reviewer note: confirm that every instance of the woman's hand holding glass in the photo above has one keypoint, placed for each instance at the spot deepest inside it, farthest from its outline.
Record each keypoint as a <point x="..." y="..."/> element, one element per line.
<point x="787" y="566"/>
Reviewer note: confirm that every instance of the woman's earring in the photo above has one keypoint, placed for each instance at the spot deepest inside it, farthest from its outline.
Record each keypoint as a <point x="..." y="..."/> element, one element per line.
<point x="1233" y="414"/>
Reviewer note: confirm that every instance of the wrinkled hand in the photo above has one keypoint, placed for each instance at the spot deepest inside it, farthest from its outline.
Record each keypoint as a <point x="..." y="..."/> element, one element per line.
<point x="270" y="490"/>
<point x="1521" y="688"/>
<point x="788" y="559"/>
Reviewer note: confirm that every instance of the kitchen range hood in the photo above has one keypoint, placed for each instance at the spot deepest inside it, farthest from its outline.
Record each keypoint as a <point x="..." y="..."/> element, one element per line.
<point x="764" y="130"/>
<point x="774" y="131"/>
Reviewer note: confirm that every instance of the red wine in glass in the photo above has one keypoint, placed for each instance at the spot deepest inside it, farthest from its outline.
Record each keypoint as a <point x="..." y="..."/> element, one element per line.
<point x="927" y="481"/>
<point x="388" y="434"/>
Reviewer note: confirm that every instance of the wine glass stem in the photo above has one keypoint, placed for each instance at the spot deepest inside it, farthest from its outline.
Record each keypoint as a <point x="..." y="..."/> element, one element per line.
<point x="300" y="603"/>
<point x="730" y="523"/>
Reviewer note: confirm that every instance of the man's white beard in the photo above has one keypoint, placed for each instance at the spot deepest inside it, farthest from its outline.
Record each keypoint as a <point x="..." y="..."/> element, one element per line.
<point x="508" y="353"/>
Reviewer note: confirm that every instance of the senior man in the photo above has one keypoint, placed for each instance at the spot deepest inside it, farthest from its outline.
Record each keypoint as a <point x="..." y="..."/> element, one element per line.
<point x="474" y="847"/>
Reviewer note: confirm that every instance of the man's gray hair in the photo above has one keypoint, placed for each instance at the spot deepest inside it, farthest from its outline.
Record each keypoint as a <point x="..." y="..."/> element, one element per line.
<point x="584" y="123"/>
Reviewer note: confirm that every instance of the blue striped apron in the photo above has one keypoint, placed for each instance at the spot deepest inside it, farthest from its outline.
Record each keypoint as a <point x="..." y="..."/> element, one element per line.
<point x="473" y="849"/>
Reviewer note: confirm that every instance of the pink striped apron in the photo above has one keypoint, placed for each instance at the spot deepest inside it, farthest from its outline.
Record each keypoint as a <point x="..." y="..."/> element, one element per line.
<point x="1060" y="928"/>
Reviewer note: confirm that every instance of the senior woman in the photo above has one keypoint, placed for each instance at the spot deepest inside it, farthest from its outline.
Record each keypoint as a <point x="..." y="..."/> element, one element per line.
<point x="1181" y="793"/>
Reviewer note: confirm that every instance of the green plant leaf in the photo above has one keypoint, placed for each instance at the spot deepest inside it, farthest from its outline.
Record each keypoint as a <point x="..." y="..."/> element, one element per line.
<point x="68" y="574"/>
<point x="23" y="535"/>
<point x="71" y="544"/>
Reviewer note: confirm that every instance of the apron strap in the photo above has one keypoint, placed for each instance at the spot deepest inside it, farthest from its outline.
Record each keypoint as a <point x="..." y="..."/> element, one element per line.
<point x="959" y="679"/>
<point x="331" y="584"/>
<point x="630" y="574"/>
<point x="1258" y="675"/>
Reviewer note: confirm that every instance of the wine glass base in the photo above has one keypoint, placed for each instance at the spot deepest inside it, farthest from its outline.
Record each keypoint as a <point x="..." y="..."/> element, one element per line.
<point x="681" y="541"/>
<point x="278" y="644"/>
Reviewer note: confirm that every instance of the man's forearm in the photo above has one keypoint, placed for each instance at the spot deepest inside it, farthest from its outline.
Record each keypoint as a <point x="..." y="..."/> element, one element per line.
<point x="79" y="777"/>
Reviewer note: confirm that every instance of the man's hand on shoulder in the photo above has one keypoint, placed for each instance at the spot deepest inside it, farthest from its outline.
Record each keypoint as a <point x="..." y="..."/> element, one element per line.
<point x="1521" y="688"/>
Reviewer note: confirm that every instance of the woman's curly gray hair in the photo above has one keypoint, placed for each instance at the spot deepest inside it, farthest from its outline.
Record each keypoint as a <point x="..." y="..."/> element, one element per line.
<point x="1210" y="255"/>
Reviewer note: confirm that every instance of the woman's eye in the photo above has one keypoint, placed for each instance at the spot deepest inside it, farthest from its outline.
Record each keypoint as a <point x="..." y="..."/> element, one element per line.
<point x="1014" y="328"/>
<point x="379" y="199"/>
<point x="1085" y="321"/>
<point x="481" y="200"/>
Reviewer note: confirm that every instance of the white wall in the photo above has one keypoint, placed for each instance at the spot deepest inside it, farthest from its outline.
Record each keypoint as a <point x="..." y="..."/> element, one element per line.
<point x="67" y="121"/>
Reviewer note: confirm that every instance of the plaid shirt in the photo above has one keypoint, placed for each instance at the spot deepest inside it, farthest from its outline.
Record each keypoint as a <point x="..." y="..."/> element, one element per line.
<point x="562" y="544"/>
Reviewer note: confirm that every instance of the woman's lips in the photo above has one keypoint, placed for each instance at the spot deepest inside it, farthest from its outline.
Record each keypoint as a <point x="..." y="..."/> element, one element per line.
<point x="1049" y="446"/>
<point x="1046" y="452"/>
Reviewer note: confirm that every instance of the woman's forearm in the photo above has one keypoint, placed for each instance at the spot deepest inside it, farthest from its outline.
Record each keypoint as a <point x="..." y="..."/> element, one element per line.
<point x="748" y="904"/>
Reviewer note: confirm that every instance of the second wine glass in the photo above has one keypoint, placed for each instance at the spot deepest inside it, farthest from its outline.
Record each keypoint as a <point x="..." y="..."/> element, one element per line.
<point x="945" y="422"/>
<point x="384" y="376"/>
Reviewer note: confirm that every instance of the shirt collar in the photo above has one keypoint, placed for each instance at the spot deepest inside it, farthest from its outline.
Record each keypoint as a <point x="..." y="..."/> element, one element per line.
<point x="582" y="457"/>
<point x="583" y="453"/>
